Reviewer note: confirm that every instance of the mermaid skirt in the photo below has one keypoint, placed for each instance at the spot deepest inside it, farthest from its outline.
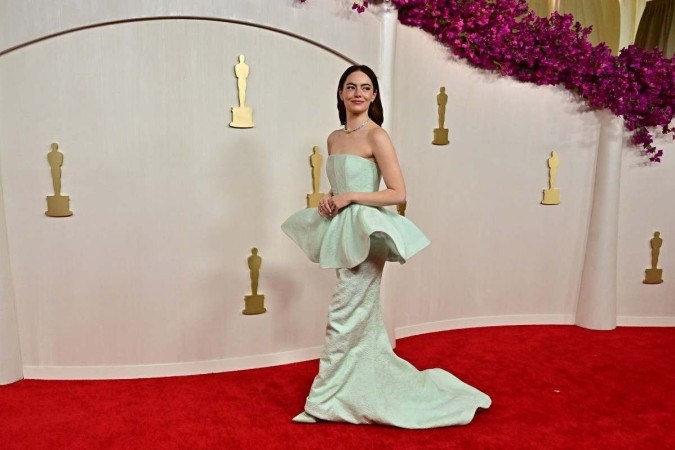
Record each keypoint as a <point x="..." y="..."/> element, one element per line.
<point x="361" y="380"/>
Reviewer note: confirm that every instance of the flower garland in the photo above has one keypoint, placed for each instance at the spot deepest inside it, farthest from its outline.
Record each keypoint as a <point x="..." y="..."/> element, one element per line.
<point x="507" y="37"/>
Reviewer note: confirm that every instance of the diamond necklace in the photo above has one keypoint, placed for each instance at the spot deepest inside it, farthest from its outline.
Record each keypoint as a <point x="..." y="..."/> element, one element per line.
<point x="348" y="131"/>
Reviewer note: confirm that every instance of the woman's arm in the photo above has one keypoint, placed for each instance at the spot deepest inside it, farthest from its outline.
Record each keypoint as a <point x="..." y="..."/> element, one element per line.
<point x="385" y="155"/>
<point x="325" y="207"/>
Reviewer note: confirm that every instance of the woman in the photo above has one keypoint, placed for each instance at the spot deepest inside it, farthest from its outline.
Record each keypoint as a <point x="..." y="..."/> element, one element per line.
<point x="360" y="378"/>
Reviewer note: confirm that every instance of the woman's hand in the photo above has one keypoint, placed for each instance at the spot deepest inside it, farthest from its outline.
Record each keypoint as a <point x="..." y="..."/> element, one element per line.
<point x="325" y="207"/>
<point x="331" y="205"/>
<point x="338" y="202"/>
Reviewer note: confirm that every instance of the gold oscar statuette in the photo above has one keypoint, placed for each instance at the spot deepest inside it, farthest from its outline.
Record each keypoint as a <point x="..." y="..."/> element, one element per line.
<point x="552" y="195"/>
<point x="315" y="161"/>
<point x="57" y="205"/>
<point x="441" y="133"/>
<point x="254" y="303"/>
<point x="242" y="115"/>
<point x="654" y="275"/>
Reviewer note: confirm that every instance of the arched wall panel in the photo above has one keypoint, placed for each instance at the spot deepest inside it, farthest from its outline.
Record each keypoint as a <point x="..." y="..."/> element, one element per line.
<point x="168" y="200"/>
<point x="327" y="22"/>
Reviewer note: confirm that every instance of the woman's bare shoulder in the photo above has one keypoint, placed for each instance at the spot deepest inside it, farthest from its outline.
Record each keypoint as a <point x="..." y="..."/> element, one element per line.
<point x="332" y="138"/>
<point x="378" y="137"/>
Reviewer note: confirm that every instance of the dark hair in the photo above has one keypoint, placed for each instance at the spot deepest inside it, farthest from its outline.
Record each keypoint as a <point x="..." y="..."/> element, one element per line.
<point x="375" y="109"/>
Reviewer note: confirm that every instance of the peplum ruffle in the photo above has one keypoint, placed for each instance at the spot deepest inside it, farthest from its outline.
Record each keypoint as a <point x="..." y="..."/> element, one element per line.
<point x="344" y="240"/>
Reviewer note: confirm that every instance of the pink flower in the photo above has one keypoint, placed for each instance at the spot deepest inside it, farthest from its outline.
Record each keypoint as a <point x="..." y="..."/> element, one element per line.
<point x="506" y="36"/>
<point x="360" y="6"/>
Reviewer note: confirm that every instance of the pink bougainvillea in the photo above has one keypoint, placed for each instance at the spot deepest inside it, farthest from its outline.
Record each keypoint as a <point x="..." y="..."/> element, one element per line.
<point x="505" y="36"/>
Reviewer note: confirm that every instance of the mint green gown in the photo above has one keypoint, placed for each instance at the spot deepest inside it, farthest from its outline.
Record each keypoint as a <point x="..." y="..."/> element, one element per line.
<point x="360" y="379"/>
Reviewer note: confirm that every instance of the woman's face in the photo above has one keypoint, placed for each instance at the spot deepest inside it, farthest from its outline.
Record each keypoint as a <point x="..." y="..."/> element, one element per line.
<point x="357" y="93"/>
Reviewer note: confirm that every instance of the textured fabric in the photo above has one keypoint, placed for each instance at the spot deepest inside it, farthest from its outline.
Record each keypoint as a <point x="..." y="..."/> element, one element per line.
<point x="361" y="380"/>
<point x="343" y="240"/>
<point x="657" y="27"/>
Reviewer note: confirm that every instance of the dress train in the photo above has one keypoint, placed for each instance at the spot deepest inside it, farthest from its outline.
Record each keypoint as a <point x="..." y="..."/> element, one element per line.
<point x="361" y="379"/>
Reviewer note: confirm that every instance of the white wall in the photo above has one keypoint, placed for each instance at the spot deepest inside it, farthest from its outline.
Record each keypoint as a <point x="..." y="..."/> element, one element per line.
<point x="148" y="277"/>
<point x="10" y="349"/>
<point x="497" y="255"/>
<point x="328" y="22"/>
<point x="168" y="200"/>
<point x="495" y="250"/>
<point x="647" y="193"/>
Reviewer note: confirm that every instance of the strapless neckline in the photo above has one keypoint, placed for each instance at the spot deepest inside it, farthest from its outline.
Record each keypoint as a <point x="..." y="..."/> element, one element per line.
<point x="354" y="156"/>
<point x="343" y="241"/>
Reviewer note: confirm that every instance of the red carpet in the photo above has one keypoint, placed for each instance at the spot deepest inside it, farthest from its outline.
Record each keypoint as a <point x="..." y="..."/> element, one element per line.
<point x="552" y="387"/>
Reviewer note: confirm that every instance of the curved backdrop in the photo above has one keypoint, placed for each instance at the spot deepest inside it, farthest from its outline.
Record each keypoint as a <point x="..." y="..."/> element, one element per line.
<point x="147" y="277"/>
